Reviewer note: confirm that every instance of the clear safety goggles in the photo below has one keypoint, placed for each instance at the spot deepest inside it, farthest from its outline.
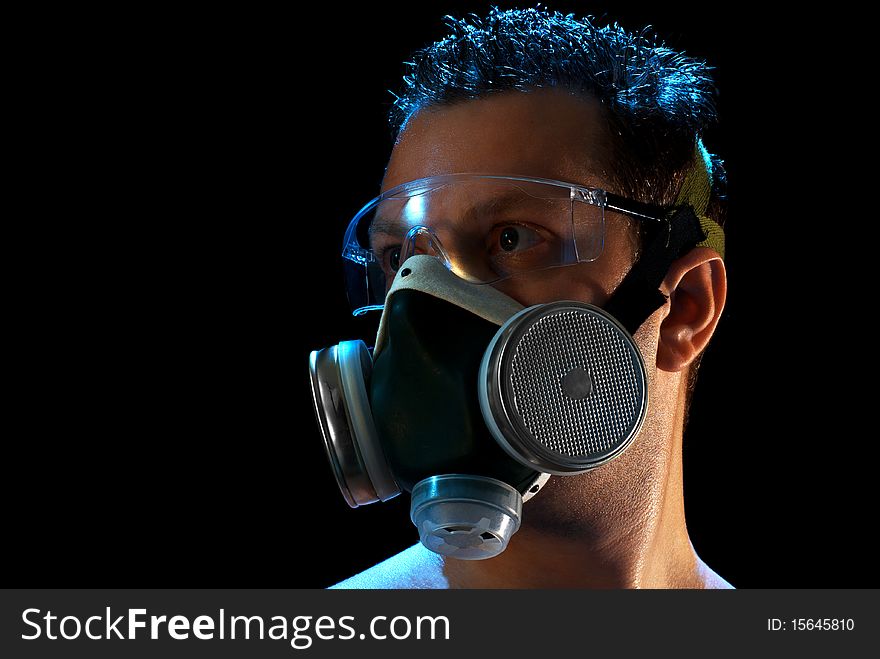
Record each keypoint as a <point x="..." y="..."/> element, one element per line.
<point x="484" y="228"/>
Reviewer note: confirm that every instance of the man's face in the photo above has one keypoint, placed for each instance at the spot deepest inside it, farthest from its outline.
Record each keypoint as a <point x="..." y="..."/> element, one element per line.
<point x="550" y="134"/>
<point x="546" y="133"/>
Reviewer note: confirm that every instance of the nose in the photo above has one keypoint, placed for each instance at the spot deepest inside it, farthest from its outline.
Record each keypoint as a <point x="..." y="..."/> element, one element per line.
<point x="423" y="240"/>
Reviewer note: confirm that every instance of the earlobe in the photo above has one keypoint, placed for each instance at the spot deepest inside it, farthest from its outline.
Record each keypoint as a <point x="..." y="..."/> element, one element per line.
<point x="697" y="288"/>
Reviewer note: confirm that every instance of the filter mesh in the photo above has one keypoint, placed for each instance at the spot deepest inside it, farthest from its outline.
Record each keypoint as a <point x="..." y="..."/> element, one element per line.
<point x="549" y="350"/>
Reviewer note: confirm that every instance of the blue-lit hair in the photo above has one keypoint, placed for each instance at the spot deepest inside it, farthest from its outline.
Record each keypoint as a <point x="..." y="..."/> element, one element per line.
<point x="658" y="101"/>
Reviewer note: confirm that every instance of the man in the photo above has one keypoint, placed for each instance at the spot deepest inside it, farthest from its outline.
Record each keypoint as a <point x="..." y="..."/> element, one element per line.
<point x="534" y="95"/>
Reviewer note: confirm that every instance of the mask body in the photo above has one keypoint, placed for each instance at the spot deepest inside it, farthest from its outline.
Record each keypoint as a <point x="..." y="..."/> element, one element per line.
<point x="424" y="394"/>
<point x="452" y="402"/>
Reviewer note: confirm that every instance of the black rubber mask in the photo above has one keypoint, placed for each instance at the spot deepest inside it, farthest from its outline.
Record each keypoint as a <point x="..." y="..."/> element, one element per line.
<point x="423" y="394"/>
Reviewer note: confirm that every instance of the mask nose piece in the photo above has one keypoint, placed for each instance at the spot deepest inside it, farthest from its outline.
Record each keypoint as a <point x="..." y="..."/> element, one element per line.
<point x="464" y="516"/>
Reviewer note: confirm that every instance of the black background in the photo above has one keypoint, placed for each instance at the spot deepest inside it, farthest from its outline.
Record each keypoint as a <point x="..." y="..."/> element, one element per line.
<point x="189" y="180"/>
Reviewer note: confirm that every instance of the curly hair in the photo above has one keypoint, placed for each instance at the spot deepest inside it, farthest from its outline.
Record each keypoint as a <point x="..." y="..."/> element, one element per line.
<point x="657" y="101"/>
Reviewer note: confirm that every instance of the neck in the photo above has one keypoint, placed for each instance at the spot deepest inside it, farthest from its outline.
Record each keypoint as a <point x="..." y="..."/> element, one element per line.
<point x="619" y="526"/>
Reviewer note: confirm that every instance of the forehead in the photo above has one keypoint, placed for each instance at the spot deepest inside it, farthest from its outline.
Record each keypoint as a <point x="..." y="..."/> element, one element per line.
<point x="548" y="133"/>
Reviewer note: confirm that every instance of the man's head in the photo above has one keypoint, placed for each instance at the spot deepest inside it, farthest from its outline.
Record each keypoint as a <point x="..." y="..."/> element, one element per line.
<point x="537" y="93"/>
<point x="531" y="149"/>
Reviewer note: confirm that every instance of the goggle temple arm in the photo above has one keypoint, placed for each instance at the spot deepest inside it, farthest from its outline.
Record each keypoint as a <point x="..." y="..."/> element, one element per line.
<point x="638" y="295"/>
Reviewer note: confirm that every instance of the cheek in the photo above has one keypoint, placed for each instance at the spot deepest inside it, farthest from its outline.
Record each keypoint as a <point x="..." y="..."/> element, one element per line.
<point x="575" y="282"/>
<point x="585" y="282"/>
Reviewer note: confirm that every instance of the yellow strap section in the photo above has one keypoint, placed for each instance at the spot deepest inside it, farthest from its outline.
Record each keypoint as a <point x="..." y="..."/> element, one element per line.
<point x="695" y="190"/>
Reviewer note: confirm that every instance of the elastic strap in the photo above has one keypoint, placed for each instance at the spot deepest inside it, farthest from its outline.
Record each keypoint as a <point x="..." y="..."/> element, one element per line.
<point x="638" y="296"/>
<point x="695" y="190"/>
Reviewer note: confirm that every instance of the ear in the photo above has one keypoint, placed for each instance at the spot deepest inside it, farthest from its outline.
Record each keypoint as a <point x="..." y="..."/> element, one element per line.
<point x="697" y="288"/>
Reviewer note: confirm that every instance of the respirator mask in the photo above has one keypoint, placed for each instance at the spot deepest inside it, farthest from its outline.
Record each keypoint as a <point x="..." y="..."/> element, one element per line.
<point x="470" y="401"/>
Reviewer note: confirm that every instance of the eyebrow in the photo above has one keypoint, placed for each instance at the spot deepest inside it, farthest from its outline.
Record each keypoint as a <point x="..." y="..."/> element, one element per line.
<point x="383" y="225"/>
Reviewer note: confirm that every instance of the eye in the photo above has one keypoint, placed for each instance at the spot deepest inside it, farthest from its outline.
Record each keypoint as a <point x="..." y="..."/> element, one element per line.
<point x="389" y="257"/>
<point x="509" y="239"/>
<point x="515" y="237"/>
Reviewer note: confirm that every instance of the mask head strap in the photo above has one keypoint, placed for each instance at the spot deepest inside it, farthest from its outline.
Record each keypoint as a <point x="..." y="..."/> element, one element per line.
<point x="695" y="190"/>
<point x="638" y="296"/>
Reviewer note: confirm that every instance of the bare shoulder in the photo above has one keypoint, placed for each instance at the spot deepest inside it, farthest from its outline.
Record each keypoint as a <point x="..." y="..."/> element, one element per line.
<point x="415" y="567"/>
<point x="711" y="579"/>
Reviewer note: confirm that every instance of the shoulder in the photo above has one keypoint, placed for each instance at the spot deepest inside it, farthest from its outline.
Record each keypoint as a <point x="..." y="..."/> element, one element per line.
<point x="711" y="579"/>
<point x="415" y="567"/>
